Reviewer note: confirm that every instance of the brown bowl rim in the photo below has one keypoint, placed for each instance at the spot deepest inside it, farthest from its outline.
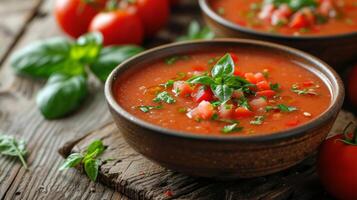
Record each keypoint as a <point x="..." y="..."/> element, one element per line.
<point x="226" y="23"/>
<point x="337" y="96"/>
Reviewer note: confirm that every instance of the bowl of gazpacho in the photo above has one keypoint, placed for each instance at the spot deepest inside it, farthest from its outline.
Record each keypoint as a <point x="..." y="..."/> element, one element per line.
<point x="226" y="108"/>
<point x="325" y="28"/>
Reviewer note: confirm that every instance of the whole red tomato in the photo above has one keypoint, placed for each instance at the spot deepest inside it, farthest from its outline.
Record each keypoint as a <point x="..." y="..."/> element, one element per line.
<point x="337" y="166"/>
<point x="74" y="16"/>
<point x="352" y="86"/>
<point x="118" y="27"/>
<point x="153" y="13"/>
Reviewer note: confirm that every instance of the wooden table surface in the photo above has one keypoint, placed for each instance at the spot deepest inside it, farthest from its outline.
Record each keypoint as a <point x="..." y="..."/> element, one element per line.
<point x="21" y="22"/>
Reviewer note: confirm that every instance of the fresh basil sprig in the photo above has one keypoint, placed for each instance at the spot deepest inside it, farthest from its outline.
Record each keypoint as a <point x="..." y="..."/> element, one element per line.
<point x="61" y="95"/>
<point x="88" y="158"/>
<point x="110" y="57"/>
<point x="9" y="146"/>
<point x="64" y="63"/>
<point x="222" y="81"/>
<point x="195" y="32"/>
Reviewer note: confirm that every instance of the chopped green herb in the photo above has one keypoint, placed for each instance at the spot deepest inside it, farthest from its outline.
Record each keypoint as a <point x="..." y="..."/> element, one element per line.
<point x="215" y="116"/>
<point x="304" y="30"/>
<point x="164" y="97"/>
<point x="243" y="102"/>
<point x="275" y="87"/>
<point x="168" y="84"/>
<point x="180" y="75"/>
<point x="258" y="120"/>
<point x="231" y="128"/>
<point x="9" y="146"/>
<point x="146" y="109"/>
<point x="216" y="103"/>
<point x="310" y="91"/>
<point x="281" y="107"/>
<point x="182" y="110"/>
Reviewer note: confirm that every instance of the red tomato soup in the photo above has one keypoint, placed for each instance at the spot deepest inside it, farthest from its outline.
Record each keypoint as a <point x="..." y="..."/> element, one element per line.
<point x="291" y="17"/>
<point x="237" y="93"/>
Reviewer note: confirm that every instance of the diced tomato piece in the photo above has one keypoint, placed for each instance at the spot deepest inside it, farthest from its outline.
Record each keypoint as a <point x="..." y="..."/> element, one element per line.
<point x="309" y="15"/>
<point x="241" y="112"/>
<point x="204" y="110"/>
<point x="293" y="122"/>
<point x="251" y="78"/>
<point x="202" y="93"/>
<point x="298" y="20"/>
<point x="198" y="68"/>
<point x="325" y="8"/>
<point x="263" y="85"/>
<point x="308" y="83"/>
<point x="237" y="72"/>
<point x="234" y="57"/>
<point x="259" y="77"/>
<point x="280" y="16"/>
<point x="226" y="111"/>
<point x="258" y="103"/>
<point x="266" y="12"/>
<point x="266" y="93"/>
<point x="182" y="88"/>
<point x="237" y="94"/>
<point x="285" y="10"/>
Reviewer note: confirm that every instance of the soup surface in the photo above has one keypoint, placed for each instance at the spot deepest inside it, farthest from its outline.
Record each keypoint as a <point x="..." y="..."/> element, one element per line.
<point x="217" y="93"/>
<point x="291" y="17"/>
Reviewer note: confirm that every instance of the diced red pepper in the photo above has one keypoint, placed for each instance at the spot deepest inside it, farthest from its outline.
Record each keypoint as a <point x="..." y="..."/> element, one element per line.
<point x="293" y="122"/>
<point x="198" y="68"/>
<point x="263" y="85"/>
<point x="266" y="93"/>
<point x="202" y="93"/>
<point x="241" y="112"/>
<point x="298" y="20"/>
<point x="308" y="83"/>
<point x="237" y="72"/>
<point x="234" y="57"/>
<point x="182" y="88"/>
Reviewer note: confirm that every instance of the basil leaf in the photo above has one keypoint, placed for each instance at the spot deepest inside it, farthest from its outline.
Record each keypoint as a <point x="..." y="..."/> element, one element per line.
<point x="234" y="81"/>
<point x="231" y="128"/>
<point x="72" y="160"/>
<point x="9" y="146"/>
<point x="195" y="31"/>
<point x="110" y="57"/>
<point x="61" y="95"/>
<point x="95" y="145"/>
<point x="87" y="48"/>
<point x="43" y="58"/>
<point x="222" y="92"/>
<point x="205" y="80"/>
<point x="224" y="67"/>
<point x="91" y="167"/>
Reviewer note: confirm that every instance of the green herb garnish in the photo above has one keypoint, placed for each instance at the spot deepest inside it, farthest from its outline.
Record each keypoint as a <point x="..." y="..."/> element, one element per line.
<point x="281" y="107"/>
<point x="146" y="109"/>
<point x="275" y="87"/>
<point x="310" y="91"/>
<point x="258" y="120"/>
<point x="164" y="97"/>
<point x="88" y="158"/>
<point x="9" y="146"/>
<point x="168" y="84"/>
<point x="231" y="128"/>
<point x="196" y="32"/>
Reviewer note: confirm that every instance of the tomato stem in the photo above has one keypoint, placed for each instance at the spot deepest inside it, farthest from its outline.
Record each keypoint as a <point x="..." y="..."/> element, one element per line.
<point x="346" y="136"/>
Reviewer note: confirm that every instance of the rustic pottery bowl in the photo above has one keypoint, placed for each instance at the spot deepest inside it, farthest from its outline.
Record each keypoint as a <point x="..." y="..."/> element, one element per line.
<point x="337" y="50"/>
<point x="225" y="157"/>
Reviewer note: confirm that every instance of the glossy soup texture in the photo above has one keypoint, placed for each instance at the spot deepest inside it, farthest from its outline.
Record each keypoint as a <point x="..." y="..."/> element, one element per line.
<point x="263" y="113"/>
<point x="325" y="17"/>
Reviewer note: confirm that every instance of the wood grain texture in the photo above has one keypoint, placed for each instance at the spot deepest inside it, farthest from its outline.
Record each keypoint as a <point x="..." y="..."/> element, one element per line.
<point x="139" y="178"/>
<point x="22" y="22"/>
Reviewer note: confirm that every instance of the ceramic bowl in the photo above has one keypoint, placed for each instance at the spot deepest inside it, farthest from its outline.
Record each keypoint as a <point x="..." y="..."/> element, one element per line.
<point x="225" y="157"/>
<point x="337" y="50"/>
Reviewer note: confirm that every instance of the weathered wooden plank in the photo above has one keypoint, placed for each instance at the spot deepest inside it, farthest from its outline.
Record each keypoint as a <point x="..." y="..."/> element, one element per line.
<point x="19" y="116"/>
<point x="139" y="178"/>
